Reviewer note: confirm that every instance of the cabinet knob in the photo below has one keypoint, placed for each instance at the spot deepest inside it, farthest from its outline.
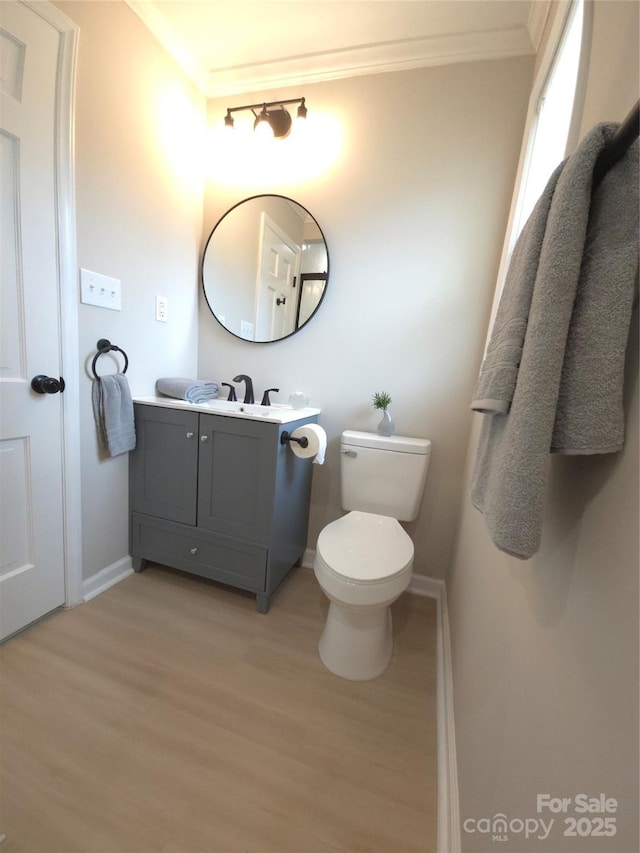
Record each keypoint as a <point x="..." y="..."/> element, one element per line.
<point x="193" y="551"/>
<point x="204" y="437"/>
<point x="189" y="435"/>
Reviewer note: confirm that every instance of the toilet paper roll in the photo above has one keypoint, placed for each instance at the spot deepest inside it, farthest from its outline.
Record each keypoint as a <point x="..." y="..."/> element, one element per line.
<point x="317" y="445"/>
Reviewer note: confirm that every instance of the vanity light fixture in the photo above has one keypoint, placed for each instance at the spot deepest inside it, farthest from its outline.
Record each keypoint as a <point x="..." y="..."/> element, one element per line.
<point x="272" y="117"/>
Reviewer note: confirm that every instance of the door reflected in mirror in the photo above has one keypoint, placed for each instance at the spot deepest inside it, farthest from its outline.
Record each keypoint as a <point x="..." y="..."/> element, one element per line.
<point x="265" y="268"/>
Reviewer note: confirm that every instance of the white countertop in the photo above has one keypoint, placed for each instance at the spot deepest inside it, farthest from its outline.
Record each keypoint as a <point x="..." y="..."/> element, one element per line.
<point x="276" y="413"/>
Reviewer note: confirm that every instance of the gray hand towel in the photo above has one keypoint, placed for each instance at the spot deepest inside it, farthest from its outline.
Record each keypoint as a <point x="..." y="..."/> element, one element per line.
<point x="113" y="413"/>
<point x="191" y="390"/>
<point x="552" y="384"/>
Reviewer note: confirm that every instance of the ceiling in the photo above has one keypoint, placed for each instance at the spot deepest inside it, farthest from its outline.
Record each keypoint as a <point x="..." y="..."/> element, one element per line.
<point x="253" y="45"/>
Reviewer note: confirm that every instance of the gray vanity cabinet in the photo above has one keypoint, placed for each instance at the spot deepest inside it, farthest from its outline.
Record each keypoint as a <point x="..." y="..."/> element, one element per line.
<point x="217" y="496"/>
<point x="164" y="466"/>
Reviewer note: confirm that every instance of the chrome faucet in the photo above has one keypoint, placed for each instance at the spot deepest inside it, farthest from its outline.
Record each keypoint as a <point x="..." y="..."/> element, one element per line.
<point x="248" y="391"/>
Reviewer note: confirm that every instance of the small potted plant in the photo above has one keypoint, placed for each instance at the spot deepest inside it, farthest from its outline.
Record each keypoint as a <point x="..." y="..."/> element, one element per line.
<point x="381" y="400"/>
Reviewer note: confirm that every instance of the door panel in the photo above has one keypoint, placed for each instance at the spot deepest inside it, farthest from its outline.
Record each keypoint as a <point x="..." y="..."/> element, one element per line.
<point x="31" y="497"/>
<point x="279" y="263"/>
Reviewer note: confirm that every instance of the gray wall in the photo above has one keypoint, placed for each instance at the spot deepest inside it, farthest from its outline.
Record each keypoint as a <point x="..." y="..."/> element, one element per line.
<point x="413" y="208"/>
<point x="139" y="215"/>
<point x="545" y="652"/>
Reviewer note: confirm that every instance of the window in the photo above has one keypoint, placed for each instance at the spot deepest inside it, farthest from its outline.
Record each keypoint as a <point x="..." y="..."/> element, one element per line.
<point x="549" y="132"/>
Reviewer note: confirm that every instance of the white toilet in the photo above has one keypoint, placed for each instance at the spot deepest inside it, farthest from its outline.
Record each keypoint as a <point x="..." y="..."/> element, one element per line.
<point x="364" y="559"/>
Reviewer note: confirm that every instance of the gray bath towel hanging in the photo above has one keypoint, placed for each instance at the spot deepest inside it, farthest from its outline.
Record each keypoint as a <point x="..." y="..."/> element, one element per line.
<point x="565" y="386"/>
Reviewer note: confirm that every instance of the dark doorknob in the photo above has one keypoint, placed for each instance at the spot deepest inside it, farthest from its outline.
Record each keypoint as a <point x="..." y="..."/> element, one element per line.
<point x="42" y="384"/>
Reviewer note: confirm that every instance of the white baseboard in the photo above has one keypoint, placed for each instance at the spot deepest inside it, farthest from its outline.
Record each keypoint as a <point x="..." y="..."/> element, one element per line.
<point x="423" y="585"/>
<point x="106" y="578"/>
<point x="448" y="793"/>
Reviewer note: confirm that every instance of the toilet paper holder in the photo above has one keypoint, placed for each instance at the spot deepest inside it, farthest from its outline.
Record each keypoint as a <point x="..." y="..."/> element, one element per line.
<point x="286" y="437"/>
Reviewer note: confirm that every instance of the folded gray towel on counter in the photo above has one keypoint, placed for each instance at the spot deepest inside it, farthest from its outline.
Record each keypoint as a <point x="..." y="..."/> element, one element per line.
<point x="113" y="413"/>
<point x="191" y="390"/>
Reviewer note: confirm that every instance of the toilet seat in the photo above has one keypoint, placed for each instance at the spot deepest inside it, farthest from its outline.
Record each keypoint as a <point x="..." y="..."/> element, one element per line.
<point x="365" y="548"/>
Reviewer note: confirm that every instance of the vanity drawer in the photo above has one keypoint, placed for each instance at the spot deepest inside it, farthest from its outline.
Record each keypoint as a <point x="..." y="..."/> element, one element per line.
<point x="210" y="555"/>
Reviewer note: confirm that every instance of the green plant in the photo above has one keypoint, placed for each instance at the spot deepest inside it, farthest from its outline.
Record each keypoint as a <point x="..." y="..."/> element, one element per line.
<point x="381" y="400"/>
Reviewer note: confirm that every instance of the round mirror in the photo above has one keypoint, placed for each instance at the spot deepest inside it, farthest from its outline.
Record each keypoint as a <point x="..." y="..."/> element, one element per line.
<point x="265" y="268"/>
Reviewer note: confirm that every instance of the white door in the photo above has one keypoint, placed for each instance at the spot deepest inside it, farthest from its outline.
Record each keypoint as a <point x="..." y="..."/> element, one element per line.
<point x="279" y="261"/>
<point x="32" y="578"/>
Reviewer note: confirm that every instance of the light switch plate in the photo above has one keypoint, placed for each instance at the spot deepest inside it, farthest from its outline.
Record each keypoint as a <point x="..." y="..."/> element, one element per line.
<point x="246" y="330"/>
<point x="162" y="308"/>
<point x="103" y="291"/>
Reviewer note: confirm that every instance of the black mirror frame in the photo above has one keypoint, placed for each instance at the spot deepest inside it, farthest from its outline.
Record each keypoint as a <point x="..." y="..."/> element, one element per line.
<point x="204" y="253"/>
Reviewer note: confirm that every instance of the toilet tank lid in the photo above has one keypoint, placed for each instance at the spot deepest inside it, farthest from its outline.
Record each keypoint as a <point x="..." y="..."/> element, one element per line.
<point x="397" y="443"/>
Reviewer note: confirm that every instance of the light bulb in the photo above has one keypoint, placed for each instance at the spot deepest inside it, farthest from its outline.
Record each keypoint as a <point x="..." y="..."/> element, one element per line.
<point x="263" y="129"/>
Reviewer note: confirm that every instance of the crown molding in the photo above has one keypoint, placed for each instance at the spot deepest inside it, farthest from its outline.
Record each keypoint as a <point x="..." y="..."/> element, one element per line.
<point x="351" y="62"/>
<point x="538" y="15"/>
<point x="369" y="59"/>
<point x="157" y="24"/>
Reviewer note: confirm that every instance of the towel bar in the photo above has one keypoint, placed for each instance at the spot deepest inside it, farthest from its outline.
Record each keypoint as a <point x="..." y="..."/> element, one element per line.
<point x="105" y="346"/>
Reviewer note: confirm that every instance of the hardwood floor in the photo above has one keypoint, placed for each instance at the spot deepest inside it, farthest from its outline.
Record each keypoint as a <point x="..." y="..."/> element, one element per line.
<point x="167" y="715"/>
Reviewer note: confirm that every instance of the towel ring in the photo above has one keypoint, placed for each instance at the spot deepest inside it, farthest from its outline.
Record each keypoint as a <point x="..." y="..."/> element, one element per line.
<point x="105" y="346"/>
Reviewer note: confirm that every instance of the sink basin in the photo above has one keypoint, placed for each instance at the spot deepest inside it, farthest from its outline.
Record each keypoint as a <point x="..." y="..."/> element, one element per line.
<point x="278" y="413"/>
<point x="252" y="409"/>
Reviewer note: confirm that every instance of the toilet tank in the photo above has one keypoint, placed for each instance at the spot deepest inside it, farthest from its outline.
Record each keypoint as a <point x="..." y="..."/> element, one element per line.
<point x="383" y="474"/>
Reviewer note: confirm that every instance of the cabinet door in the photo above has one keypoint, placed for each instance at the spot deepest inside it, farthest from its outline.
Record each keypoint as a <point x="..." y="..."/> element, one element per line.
<point x="164" y="465"/>
<point x="236" y="477"/>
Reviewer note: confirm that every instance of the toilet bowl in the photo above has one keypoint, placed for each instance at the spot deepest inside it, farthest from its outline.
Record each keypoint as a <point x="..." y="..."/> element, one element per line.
<point x="364" y="560"/>
<point x="363" y="563"/>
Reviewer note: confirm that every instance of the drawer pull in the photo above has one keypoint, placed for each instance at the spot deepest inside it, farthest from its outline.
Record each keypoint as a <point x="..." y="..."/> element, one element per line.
<point x="193" y="551"/>
<point x="189" y="435"/>
<point x="204" y="437"/>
